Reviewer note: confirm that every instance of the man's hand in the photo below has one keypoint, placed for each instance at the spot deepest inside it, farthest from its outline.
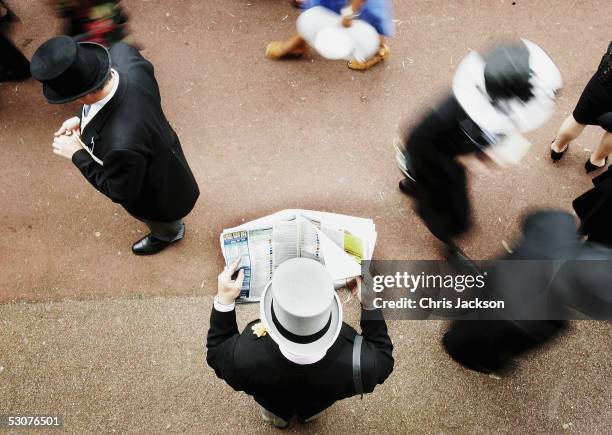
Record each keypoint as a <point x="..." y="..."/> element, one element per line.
<point x="229" y="290"/>
<point x="69" y="127"/>
<point x="355" y="285"/>
<point x="66" y="146"/>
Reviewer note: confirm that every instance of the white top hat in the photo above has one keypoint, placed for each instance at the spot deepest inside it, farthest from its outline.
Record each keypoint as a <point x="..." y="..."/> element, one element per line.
<point x="300" y="307"/>
<point x="512" y="115"/>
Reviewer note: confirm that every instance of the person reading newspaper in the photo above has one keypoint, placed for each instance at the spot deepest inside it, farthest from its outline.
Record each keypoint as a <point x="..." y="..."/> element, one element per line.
<point x="300" y="357"/>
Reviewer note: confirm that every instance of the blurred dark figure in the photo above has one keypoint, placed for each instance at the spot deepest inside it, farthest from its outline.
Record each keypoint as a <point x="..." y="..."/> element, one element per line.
<point x="496" y="97"/>
<point x="595" y="210"/>
<point x="13" y="64"/>
<point x="549" y="290"/>
<point x="99" y="21"/>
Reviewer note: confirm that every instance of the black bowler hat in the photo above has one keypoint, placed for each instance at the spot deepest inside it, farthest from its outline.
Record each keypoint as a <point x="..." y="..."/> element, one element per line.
<point x="69" y="70"/>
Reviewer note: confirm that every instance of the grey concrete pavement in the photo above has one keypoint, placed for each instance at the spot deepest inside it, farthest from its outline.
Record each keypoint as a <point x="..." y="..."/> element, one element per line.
<point x="138" y="365"/>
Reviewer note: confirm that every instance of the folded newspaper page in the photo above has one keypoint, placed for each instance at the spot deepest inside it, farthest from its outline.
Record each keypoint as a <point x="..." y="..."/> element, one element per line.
<point x="339" y="242"/>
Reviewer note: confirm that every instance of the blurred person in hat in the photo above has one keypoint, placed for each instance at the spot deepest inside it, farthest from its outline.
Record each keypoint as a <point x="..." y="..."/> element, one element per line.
<point x="497" y="96"/>
<point x="353" y="30"/>
<point x="300" y="357"/>
<point x="13" y="64"/>
<point x="593" y="108"/>
<point x="121" y="140"/>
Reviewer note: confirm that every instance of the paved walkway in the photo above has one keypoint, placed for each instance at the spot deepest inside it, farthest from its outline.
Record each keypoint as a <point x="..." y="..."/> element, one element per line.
<point x="138" y="365"/>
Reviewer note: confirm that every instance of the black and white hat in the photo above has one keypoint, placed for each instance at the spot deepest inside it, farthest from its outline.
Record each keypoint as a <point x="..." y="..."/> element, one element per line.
<point x="509" y="90"/>
<point x="301" y="309"/>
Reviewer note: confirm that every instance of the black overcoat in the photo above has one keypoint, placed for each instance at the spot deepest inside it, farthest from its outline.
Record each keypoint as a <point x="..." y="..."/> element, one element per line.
<point x="594" y="208"/>
<point x="144" y="168"/>
<point x="257" y="366"/>
<point x="432" y="147"/>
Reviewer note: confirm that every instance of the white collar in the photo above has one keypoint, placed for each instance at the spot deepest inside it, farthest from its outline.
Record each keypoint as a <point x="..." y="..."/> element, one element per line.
<point x="98" y="105"/>
<point x="299" y="359"/>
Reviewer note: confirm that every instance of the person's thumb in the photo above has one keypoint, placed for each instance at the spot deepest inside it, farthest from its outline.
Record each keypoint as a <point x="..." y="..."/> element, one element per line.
<point x="240" y="279"/>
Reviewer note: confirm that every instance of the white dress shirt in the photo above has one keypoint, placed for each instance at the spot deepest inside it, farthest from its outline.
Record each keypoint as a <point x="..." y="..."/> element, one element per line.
<point x="297" y="359"/>
<point x="98" y="105"/>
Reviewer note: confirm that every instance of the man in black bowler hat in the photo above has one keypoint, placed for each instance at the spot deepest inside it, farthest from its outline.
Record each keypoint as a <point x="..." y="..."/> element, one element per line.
<point x="121" y="140"/>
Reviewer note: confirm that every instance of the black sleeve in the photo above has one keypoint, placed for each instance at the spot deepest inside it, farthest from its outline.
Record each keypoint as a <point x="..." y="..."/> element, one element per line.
<point x="439" y="131"/>
<point x="377" y="349"/>
<point x="121" y="176"/>
<point x="221" y="341"/>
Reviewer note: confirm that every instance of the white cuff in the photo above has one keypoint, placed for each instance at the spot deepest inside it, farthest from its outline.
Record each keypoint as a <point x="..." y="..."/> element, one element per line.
<point x="223" y="308"/>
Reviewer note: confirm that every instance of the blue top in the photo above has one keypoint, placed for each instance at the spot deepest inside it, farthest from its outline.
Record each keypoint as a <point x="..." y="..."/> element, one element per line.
<point x="376" y="12"/>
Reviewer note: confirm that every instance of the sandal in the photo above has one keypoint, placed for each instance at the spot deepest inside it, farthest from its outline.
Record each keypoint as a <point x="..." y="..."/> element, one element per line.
<point x="383" y="54"/>
<point x="275" y="50"/>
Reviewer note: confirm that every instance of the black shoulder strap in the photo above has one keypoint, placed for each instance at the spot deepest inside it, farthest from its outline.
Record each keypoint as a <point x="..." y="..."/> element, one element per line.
<point x="357" y="365"/>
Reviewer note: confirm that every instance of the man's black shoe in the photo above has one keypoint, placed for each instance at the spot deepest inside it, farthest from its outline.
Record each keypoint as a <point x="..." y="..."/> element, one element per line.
<point x="408" y="186"/>
<point x="150" y="244"/>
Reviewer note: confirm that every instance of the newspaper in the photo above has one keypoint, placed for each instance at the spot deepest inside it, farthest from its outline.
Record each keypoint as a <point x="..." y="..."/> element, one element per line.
<point x="339" y="242"/>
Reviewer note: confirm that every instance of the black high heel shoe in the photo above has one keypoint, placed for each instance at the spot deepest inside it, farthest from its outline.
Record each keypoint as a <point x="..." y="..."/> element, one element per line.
<point x="556" y="156"/>
<point x="590" y="167"/>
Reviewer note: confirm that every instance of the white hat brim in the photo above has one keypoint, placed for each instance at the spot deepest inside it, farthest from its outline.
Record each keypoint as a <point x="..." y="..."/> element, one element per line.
<point x="310" y="349"/>
<point x="470" y="91"/>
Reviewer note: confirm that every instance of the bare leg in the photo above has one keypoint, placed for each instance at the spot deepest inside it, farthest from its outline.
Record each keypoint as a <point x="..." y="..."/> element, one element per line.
<point x="603" y="150"/>
<point x="296" y="45"/>
<point x="569" y="130"/>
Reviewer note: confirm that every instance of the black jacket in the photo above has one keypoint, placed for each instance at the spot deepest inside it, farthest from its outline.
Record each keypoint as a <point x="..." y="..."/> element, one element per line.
<point x="431" y="150"/>
<point x="144" y="168"/>
<point x="594" y="208"/>
<point x="257" y="367"/>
